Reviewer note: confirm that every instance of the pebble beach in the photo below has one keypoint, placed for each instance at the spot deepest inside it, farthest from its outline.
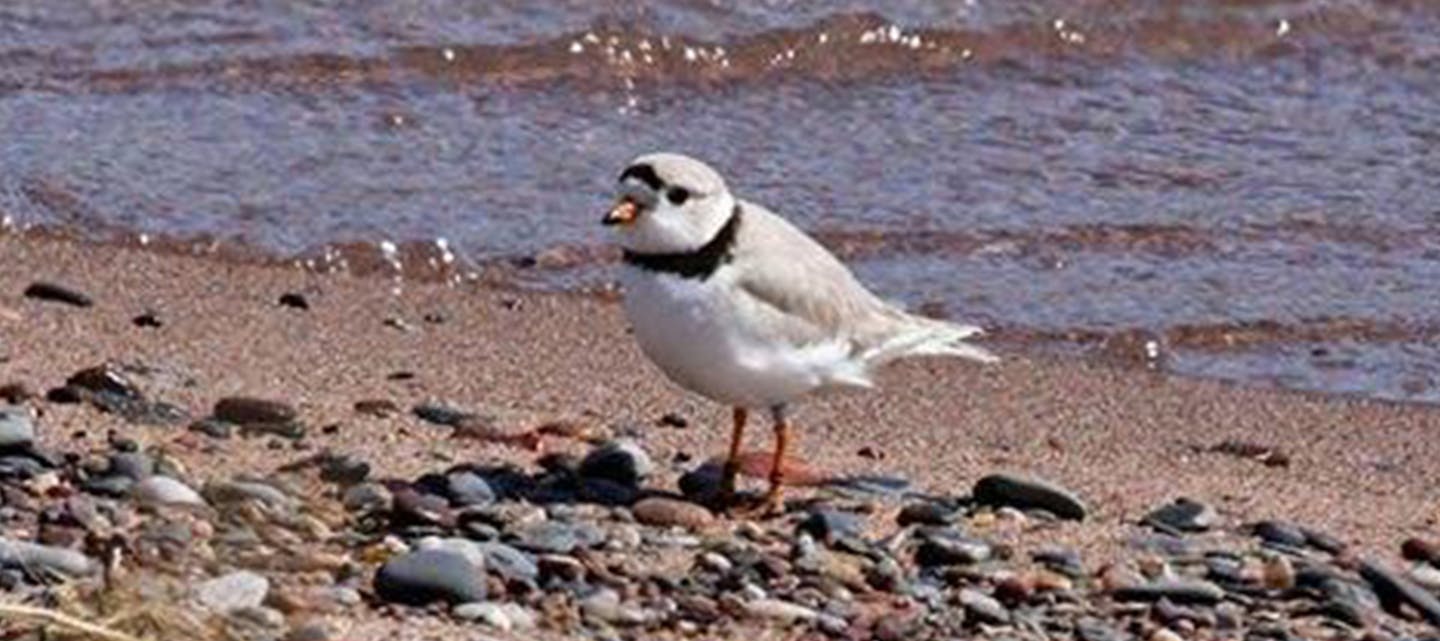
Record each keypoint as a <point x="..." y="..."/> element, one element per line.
<point x="263" y="452"/>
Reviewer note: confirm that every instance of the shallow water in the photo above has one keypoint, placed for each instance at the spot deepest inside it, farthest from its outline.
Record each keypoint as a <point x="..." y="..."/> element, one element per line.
<point x="1252" y="184"/>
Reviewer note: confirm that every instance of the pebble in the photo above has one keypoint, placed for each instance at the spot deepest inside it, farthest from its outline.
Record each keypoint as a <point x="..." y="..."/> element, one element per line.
<point x="832" y="526"/>
<point x="213" y="428"/>
<point x="1396" y="588"/>
<point x="104" y="379"/>
<point x="114" y="486"/>
<point x="605" y="605"/>
<point x="983" y="607"/>
<point x="136" y="466"/>
<point x="494" y="615"/>
<point x="17" y="430"/>
<point x="223" y="492"/>
<point x="622" y="461"/>
<point x="1063" y="560"/>
<point x="950" y="547"/>
<point x="667" y="512"/>
<point x="509" y="563"/>
<point x="163" y="490"/>
<point x="1176" y="590"/>
<point x="558" y="537"/>
<point x="247" y="411"/>
<point x="1421" y="550"/>
<point x="779" y="610"/>
<point x="368" y="497"/>
<point x="927" y="513"/>
<point x="428" y="576"/>
<point x="43" y="558"/>
<point x="466" y="489"/>
<point x="234" y="591"/>
<point x="294" y="300"/>
<point x="344" y="469"/>
<point x="702" y="484"/>
<point x="1280" y="532"/>
<point x="1183" y="515"/>
<point x="442" y="414"/>
<point x="1029" y="493"/>
<point x="57" y="293"/>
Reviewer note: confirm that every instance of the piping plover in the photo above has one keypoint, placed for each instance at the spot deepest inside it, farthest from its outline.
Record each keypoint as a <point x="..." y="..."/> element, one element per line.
<point x="738" y="305"/>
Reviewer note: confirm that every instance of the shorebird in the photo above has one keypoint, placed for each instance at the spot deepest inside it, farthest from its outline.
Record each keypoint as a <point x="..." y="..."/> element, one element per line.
<point x="736" y="304"/>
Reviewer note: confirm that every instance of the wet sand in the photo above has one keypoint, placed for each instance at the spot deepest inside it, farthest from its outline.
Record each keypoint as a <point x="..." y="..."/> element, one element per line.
<point x="1126" y="440"/>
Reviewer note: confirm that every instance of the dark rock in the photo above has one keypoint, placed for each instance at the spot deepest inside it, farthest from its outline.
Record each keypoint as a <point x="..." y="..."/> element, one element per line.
<point x="442" y="414"/>
<point x="17" y="431"/>
<point x="368" y="498"/>
<point x="379" y="408"/>
<point x="20" y="467"/>
<point x="620" y="461"/>
<point x="608" y="492"/>
<point x="114" y="486"/>
<point x="344" y="469"/>
<point x="1394" y="590"/>
<point x="294" y="300"/>
<point x="952" y="549"/>
<point x="1280" y="532"/>
<point x="148" y="319"/>
<point x="247" y="411"/>
<point x="1323" y="541"/>
<point x="1029" y="493"/>
<point x="214" y="428"/>
<point x="1066" y="561"/>
<point x="107" y="379"/>
<point x="1183" y="515"/>
<point x="830" y="525"/>
<point x="1176" y="590"/>
<point x="137" y="466"/>
<point x="57" y="293"/>
<point x="290" y="430"/>
<point x="1416" y="549"/>
<point x="15" y="393"/>
<point x="702" y="484"/>
<point x="413" y="507"/>
<point x="927" y="513"/>
<point x="428" y="576"/>
<point x="673" y="419"/>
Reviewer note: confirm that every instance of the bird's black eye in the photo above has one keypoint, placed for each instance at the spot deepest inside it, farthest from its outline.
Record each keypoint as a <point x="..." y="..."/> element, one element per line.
<point x="678" y="195"/>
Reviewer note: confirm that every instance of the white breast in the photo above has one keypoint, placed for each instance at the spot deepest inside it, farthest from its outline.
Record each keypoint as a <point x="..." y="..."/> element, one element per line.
<point x="701" y="334"/>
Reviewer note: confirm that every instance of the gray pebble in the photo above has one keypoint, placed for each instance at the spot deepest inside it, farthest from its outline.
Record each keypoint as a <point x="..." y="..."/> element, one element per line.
<point x="622" y="461"/>
<point x="163" y="490"/>
<point x="17" y="430"/>
<point x="427" y="576"/>
<point x="234" y="591"/>
<point x="43" y="558"/>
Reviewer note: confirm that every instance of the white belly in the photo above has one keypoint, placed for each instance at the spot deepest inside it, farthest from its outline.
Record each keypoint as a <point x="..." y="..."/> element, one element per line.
<point x="703" y="341"/>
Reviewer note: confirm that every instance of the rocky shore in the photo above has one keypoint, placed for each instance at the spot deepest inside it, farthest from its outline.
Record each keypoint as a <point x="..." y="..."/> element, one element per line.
<point x="198" y="450"/>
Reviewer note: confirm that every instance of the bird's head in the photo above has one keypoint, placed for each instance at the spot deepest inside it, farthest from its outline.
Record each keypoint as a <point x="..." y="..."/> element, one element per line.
<point x="667" y="203"/>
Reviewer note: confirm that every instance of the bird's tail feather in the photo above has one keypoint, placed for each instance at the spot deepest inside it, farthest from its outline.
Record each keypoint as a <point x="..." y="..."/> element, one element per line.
<point x="927" y="337"/>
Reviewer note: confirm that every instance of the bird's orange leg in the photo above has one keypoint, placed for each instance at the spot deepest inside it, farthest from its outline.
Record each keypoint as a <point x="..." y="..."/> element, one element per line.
<point x="774" y="502"/>
<point x="732" y="463"/>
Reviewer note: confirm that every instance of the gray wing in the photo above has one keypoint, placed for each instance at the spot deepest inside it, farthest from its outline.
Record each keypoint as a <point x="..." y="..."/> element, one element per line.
<point x="804" y="294"/>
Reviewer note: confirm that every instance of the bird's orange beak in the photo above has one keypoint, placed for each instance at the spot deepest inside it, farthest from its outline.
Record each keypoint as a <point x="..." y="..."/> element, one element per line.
<point x="624" y="212"/>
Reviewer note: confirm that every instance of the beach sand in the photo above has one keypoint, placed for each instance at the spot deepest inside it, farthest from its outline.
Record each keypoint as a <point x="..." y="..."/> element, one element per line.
<point x="1126" y="440"/>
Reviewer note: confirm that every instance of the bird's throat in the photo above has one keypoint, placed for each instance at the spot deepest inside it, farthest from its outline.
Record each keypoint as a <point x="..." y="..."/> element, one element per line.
<point x="698" y="263"/>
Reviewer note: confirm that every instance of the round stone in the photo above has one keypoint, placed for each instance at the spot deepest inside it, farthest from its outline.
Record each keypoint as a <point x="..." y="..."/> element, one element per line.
<point x="163" y="490"/>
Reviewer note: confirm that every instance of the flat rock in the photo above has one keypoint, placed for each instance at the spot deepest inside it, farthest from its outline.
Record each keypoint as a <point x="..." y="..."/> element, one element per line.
<point x="234" y="591"/>
<point x="1175" y="590"/>
<point x="778" y="610"/>
<point x="1027" y="493"/>
<point x="17" y="430"/>
<point x="429" y="576"/>
<point x="248" y="411"/>
<point x="466" y="489"/>
<point x="667" y="512"/>
<point x="44" y="558"/>
<point x="509" y="563"/>
<point x="1183" y="515"/>
<point x="1395" y="588"/>
<point x="983" y="607"/>
<point x="57" y="293"/>
<point x="163" y="490"/>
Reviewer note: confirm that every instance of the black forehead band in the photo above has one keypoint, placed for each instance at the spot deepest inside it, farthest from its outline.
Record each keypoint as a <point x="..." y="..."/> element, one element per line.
<point x="645" y="174"/>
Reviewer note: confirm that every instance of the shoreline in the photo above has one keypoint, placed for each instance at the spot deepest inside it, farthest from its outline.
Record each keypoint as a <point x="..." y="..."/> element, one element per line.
<point x="1127" y="441"/>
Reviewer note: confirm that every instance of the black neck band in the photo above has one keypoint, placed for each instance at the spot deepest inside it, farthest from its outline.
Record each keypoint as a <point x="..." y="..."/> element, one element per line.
<point x="699" y="263"/>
